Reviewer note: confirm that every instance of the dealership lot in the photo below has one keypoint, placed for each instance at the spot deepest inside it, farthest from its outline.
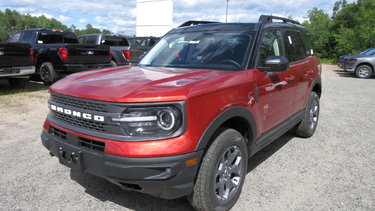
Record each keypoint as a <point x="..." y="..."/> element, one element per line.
<point x="332" y="170"/>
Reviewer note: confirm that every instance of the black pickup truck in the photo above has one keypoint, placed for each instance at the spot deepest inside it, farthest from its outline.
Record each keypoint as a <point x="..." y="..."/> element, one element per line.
<point x="139" y="46"/>
<point x="119" y="46"/>
<point x="16" y="63"/>
<point x="58" y="53"/>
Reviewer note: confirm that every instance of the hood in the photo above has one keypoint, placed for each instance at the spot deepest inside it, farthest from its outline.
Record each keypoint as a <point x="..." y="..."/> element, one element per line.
<point x="146" y="84"/>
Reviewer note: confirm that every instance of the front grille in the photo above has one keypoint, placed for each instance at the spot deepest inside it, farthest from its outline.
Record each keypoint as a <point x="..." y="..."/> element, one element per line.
<point x="78" y="103"/>
<point x="96" y="126"/>
<point x="92" y="144"/>
<point x="56" y="132"/>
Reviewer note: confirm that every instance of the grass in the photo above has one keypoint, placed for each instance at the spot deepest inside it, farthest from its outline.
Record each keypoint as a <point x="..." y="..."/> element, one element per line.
<point x="327" y="61"/>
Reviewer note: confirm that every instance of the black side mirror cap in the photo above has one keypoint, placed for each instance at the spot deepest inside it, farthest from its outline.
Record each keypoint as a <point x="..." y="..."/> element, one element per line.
<point x="275" y="64"/>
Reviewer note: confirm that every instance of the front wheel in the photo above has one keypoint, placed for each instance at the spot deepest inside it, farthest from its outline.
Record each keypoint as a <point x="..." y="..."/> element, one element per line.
<point x="363" y="71"/>
<point x="307" y="126"/>
<point x="222" y="172"/>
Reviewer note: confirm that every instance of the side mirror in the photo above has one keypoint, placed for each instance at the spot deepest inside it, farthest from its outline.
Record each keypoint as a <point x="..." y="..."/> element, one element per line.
<point x="275" y="64"/>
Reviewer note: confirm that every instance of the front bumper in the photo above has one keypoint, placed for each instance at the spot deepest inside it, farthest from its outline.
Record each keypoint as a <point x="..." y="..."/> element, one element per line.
<point x="73" y="68"/>
<point x="163" y="177"/>
<point x="17" y="71"/>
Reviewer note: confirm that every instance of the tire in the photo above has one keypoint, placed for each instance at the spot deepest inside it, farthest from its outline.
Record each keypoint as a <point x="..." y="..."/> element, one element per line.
<point x="363" y="71"/>
<point x="113" y="64"/>
<point x="224" y="164"/>
<point x="307" y="126"/>
<point x="18" y="83"/>
<point x="47" y="73"/>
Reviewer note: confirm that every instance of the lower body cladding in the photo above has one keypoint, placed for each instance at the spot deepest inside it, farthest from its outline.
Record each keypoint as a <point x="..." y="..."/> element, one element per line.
<point x="163" y="177"/>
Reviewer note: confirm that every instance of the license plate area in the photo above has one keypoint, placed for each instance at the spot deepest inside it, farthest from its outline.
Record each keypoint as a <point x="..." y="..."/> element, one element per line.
<point x="70" y="157"/>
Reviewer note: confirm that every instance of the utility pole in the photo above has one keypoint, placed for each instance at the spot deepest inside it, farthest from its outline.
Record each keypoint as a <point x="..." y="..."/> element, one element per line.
<point x="226" y="12"/>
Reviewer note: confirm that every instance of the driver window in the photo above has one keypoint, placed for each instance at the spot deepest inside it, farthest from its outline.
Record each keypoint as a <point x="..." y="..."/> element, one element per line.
<point x="271" y="45"/>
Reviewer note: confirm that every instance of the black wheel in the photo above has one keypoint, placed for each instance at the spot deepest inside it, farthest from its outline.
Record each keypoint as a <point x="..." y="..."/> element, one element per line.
<point x="363" y="71"/>
<point x="113" y="64"/>
<point x="47" y="73"/>
<point x="222" y="172"/>
<point x="307" y="126"/>
<point x="18" y="83"/>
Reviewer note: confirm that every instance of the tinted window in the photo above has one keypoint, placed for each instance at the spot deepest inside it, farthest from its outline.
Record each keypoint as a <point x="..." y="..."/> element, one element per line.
<point x="81" y="40"/>
<point x="204" y="50"/>
<point x="294" y="47"/>
<point x="45" y="38"/>
<point x="25" y="36"/>
<point x="91" y="40"/>
<point x="307" y="44"/>
<point x="271" y="45"/>
<point x="15" y="38"/>
<point x="114" y="41"/>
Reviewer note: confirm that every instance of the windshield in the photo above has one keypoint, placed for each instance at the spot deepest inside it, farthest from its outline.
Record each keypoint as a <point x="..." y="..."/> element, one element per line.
<point x="206" y="50"/>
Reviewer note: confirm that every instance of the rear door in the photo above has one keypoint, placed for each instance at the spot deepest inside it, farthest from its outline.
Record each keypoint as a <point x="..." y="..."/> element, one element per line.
<point x="300" y="67"/>
<point x="276" y="89"/>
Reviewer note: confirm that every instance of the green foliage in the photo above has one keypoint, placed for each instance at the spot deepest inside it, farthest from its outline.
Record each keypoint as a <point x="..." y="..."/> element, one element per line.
<point x="12" y="21"/>
<point x="350" y="30"/>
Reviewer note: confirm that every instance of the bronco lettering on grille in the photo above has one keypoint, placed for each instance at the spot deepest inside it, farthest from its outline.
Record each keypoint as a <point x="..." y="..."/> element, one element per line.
<point x="73" y="113"/>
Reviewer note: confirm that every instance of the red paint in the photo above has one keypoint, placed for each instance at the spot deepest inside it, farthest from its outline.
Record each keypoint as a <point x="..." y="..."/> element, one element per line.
<point x="207" y="94"/>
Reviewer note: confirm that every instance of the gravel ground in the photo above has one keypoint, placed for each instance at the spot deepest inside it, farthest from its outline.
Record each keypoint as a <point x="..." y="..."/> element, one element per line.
<point x="333" y="170"/>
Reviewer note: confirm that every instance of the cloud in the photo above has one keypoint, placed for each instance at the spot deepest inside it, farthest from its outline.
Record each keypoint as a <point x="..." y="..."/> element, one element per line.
<point x="41" y="14"/>
<point x="83" y="20"/>
<point x="63" y="18"/>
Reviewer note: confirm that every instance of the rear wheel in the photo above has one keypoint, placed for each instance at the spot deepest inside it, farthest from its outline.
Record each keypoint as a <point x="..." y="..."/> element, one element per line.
<point x="113" y="64"/>
<point x="222" y="173"/>
<point x="47" y="73"/>
<point x="363" y="71"/>
<point x="18" y="83"/>
<point x="307" y="126"/>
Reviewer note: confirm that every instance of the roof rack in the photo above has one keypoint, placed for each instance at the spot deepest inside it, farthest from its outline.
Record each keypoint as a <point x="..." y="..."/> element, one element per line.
<point x="270" y="18"/>
<point x="193" y="23"/>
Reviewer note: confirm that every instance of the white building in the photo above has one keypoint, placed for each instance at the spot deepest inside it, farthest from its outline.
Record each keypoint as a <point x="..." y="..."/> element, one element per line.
<point x="154" y="17"/>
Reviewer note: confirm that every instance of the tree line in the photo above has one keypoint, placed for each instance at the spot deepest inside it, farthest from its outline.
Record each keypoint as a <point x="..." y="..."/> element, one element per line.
<point x="349" y="30"/>
<point x="12" y="21"/>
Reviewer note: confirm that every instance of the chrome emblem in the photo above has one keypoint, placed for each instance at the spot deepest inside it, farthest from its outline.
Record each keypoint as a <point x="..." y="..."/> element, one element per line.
<point x="90" y="52"/>
<point x="2" y="53"/>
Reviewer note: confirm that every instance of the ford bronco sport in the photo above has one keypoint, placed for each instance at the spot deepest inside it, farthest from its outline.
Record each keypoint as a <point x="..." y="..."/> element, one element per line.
<point x="185" y="121"/>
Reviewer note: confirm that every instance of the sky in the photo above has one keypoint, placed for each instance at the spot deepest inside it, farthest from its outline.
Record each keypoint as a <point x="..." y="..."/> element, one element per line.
<point x="119" y="16"/>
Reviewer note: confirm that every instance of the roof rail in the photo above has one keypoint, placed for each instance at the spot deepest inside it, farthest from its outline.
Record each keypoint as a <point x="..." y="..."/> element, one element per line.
<point x="193" y="23"/>
<point x="270" y="18"/>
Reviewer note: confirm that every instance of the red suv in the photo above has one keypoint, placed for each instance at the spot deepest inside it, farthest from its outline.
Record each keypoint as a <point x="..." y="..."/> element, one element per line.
<point x="185" y="120"/>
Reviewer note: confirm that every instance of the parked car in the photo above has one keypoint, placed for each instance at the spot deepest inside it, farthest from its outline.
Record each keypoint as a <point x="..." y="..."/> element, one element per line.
<point x="343" y="59"/>
<point x="362" y="64"/>
<point x="119" y="46"/>
<point x="16" y="63"/>
<point x="58" y="53"/>
<point x="140" y="45"/>
<point x="185" y="120"/>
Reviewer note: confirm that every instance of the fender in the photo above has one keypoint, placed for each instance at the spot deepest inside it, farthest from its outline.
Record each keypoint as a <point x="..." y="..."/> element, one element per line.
<point x="223" y="117"/>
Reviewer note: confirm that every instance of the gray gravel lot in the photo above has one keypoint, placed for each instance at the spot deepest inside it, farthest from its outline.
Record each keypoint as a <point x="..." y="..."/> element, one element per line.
<point x="333" y="170"/>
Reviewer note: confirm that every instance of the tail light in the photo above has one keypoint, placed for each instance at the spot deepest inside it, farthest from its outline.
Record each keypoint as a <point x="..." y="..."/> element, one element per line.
<point x="110" y="55"/>
<point x="127" y="54"/>
<point x="32" y="55"/>
<point x="63" y="52"/>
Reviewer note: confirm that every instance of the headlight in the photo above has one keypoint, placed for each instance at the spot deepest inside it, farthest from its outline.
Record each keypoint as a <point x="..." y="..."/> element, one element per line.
<point x="150" y="121"/>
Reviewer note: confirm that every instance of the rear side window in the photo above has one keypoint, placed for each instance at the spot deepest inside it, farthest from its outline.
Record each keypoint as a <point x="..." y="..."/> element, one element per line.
<point x="307" y="44"/>
<point x="271" y="45"/>
<point x="25" y="36"/>
<point x="293" y="46"/>
<point x="114" y="41"/>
